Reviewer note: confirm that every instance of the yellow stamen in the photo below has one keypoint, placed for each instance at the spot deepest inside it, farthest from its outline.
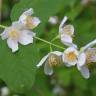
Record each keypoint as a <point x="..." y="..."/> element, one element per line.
<point x="13" y="34"/>
<point x="29" y="22"/>
<point x="53" y="60"/>
<point x="71" y="56"/>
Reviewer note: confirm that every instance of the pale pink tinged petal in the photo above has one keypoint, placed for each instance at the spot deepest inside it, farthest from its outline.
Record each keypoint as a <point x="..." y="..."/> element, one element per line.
<point x="85" y="72"/>
<point x="13" y="44"/>
<point x="81" y="59"/>
<point x="35" y="21"/>
<point x="17" y="25"/>
<point x="48" y="70"/>
<point x="25" y="37"/>
<point x="42" y="61"/>
<point x="22" y="19"/>
<point x="66" y="39"/>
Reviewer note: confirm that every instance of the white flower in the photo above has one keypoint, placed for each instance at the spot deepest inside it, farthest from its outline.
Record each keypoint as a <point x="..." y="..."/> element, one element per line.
<point x="50" y="60"/>
<point x="28" y="20"/>
<point x="53" y="20"/>
<point x="15" y="34"/>
<point x="86" y="56"/>
<point x="66" y="33"/>
<point x="70" y="56"/>
<point x="84" y="59"/>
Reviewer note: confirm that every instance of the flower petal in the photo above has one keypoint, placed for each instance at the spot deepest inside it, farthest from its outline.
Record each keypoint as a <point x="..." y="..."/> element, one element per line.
<point x="85" y="72"/>
<point x="17" y="25"/>
<point x="35" y="21"/>
<point x="69" y="29"/>
<point x="29" y="12"/>
<point x="22" y="18"/>
<point x="42" y="61"/>
<point x="81" y="59"/>
<point x="62" y="23"/>
<point x="47" y="69"/>
<point x="26" y="37"/>
<point x="4" y="35"/>
<point x="57" y="53"/>
<point x="13" y="44"/>
<point x="66" y="39"/>
<point x="67" y="65"/>
<point x="89" y="45"/>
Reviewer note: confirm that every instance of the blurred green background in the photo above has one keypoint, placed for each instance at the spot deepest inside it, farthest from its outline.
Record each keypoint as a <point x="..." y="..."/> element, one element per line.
<point x="64" y="81"/>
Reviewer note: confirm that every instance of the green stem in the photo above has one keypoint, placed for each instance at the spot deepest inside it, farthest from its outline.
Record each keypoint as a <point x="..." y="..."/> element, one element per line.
<point x="48" y="42"/>
<point x="55" y="38"/>
<point x="2" y="26"/>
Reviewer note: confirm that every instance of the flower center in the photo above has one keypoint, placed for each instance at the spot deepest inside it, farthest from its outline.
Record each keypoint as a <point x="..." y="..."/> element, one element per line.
<point x="68" y="30"/>
<point x="29" y="22"/>
<point x="53" y="60"/>
<point x="14" y="34"/>
<point x="91" y="56"/>
<point x="71" y="56"/>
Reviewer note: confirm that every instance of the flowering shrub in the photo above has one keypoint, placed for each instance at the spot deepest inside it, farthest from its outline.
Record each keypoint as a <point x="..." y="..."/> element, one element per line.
<point x="62" y="53"/>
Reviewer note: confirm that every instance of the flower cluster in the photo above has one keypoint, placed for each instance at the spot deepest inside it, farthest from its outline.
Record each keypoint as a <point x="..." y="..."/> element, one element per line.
<point x="71" y="55"/>
<point x="19" y="31"/>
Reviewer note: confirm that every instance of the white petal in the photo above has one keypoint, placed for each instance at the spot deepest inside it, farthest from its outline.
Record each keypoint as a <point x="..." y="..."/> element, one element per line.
<point x="4" y="35"/>
<point x="69" y="29"/>
<point x="66" y="39"/>
<point x="81" y="59"/>
<point x="85" y="72"/>
<point x="67" y="65"/>
<point x="42" y="61"/>
<point x="89" y="45"/>
<point x="62" y="23"/>
<point x="17" y="25"/>
<point x="57" y="53"/>
<point x="47" y="69"/>
<point x="22" y="19"/>
<point x="13" y="44"/>
<point x="71" y="49"/>
<point x="35" y="21"/>
<point x="26" y="37"/>
<point x="29" y="12"/>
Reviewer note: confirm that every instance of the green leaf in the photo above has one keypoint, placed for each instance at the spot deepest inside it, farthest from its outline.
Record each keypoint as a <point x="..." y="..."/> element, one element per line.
<point x="18" y="69"/>
<point x="65" y="76"/>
